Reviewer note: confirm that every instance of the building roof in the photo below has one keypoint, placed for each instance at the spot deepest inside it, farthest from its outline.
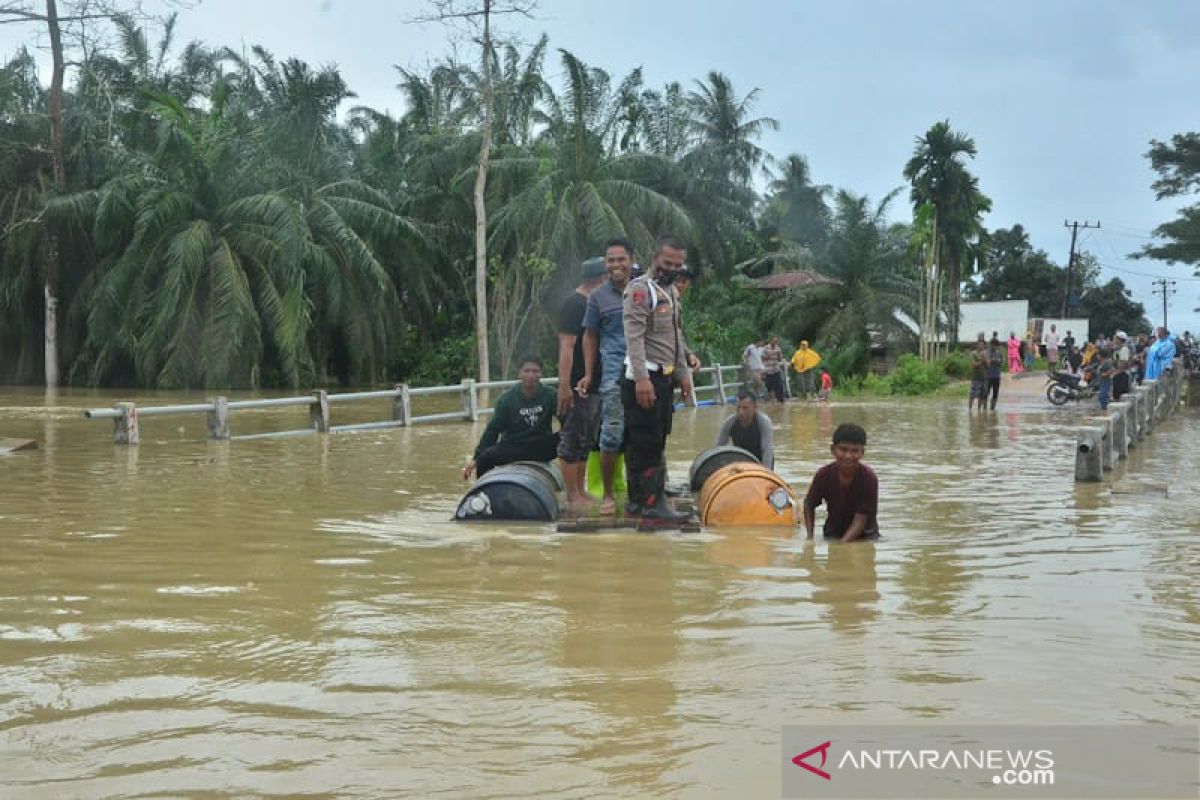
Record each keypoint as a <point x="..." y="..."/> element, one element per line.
<point x="789" y="280"/>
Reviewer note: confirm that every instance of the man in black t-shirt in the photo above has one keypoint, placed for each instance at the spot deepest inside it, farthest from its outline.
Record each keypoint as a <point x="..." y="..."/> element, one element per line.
<point x="580" y="413"/>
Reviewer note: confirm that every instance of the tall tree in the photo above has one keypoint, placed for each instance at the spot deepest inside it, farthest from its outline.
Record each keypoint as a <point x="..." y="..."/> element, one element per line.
<point x="572" y="194"/>
<point x="941" y="180"/>
<point x="479" y="17"/>
<point x="868" y="260"/>
<point x="1178" y="166"/>
<point x="797" y="208"/>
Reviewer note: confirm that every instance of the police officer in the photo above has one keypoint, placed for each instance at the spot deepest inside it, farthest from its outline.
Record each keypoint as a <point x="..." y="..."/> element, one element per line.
<point x="656" y="358"/>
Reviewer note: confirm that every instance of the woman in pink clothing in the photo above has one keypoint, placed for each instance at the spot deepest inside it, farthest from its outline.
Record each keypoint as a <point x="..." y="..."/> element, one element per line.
<point x="1014" y="354"/>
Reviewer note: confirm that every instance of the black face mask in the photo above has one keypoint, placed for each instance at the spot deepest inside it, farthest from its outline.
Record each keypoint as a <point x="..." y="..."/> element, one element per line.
<point x="666" y="278"/>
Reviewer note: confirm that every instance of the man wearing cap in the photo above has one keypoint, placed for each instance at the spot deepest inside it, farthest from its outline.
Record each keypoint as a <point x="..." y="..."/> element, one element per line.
<point x="655" y="356"/>
<point x="1123" y="360"/>
<point x="604" y="361"/>
<point x="580" y="413"/>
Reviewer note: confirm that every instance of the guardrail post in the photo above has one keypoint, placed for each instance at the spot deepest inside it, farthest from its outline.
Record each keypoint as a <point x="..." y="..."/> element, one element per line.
<point x="1193" y="390"/>
<point x="1105" y="426"/>
<point x="1088" y="451"/>
<point x="1133" y="420"/>
<point x="125" y="427"/>
<point x="318" y="412"/>
<point x="218" y="418"/>
<point x="720" y="385"/>
<point x="470" y="400"/>
<point x="1145" y="410"/>
<point x="402" y="405"/>
<point x="1151" y="413"/>
<point x="1120" y="417"/>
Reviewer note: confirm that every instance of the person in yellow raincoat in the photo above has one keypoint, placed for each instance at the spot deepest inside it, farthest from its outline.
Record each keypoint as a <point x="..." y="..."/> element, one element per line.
<point x="805" y="361"/>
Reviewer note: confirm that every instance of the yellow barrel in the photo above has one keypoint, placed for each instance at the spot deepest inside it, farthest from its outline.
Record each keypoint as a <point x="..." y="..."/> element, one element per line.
<point x="746" y="494"/>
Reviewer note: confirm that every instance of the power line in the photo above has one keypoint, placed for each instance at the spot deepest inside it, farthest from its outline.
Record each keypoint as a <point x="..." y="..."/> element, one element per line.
<point x="1074" y="226"/>
<point x="1166" y="287"/>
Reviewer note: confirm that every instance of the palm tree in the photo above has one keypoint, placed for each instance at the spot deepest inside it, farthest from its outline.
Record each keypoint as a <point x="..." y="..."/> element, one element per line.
<point x="866" y="257"/>
<point x="572" y="194"/>
<point x="722" y="126"/>
<point x="206" y="282"/>
<point x="796" y="208"/>
<point x="940" y="180"/>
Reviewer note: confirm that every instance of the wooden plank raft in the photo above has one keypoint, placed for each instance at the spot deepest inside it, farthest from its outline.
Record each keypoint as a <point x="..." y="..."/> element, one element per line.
<point x="597" y="524"/>
<point x="13" y="445"/>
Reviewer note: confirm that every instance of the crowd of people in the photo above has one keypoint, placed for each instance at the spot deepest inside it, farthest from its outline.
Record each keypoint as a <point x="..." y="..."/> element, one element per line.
<point x="1113" y="365"/>
<point x="764" y="371"/>
<point x="621" y="357"/>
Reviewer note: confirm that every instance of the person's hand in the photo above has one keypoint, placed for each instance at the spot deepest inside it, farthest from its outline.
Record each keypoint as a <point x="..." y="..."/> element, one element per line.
<point x="693" y="361"/>
<point x="469" y="470"/>
<point x="583" y="385"/>
<point x="565" y="399"/>
<point x="685" y="389"/>
<point x="644" y="392"/>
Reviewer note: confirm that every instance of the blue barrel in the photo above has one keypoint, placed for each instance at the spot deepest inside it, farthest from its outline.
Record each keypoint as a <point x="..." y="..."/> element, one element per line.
<point x="713" y="459"/>
<point x="524" y="491"/>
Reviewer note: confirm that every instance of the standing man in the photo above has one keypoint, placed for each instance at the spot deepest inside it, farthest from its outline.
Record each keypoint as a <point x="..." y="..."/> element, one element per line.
<point x="752" y="361"/>
<point x="772" y="358"/>
<point x="580" y="413"/>
<point x="995" y="363"/>
<point x="1160" y="355"/>
<point x="1052" y="348"/>
<point x="604" y="361"/>
<point x="805" y="361"/>
<point x="1122" y="361"/>
<point x="979" y="367"/>
<point x="655" y="351"/>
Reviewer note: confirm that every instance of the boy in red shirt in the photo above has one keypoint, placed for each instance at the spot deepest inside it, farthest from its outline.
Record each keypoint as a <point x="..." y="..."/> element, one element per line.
<point x="849" y="489"/>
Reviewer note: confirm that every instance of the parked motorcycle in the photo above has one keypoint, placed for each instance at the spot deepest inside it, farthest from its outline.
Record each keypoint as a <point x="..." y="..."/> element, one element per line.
<point x="1064" y="386"/>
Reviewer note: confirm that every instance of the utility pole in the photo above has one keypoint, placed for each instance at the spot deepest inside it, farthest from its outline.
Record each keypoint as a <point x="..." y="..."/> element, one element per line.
<point x="1165" y="287"/>
<point x="1074" y="226"/>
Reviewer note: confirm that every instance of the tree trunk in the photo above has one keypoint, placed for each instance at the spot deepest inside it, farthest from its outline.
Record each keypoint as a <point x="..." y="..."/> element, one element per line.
<point x="60" y="184"/>
<point x="481" y="173"/>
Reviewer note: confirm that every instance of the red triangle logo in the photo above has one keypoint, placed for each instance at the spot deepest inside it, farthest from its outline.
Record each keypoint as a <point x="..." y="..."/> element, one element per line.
<point x="823" y="749"/>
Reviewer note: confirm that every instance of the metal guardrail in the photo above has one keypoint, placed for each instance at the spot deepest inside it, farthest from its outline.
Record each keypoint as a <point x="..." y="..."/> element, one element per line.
<point x="126" y="415"/>
<point x="1107" y="439"/>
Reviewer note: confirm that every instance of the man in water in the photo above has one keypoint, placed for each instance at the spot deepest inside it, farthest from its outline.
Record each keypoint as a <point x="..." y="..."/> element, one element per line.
<point x="805" y="361"/>
<point x="979" y="366"/>
<point x="849" y="489"/>
<point x="772" y="358"/>
<point x="656" y="355"/>
<point x="580" y="413"/>
<point x="520" y="427"/>
<point x="994" y="367"/>
<point x="604" y="361"/>
<point x="750" y="429"/>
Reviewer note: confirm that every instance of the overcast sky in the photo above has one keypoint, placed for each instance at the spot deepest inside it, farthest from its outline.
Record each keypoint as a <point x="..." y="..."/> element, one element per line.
<point x="1061" y="97"/>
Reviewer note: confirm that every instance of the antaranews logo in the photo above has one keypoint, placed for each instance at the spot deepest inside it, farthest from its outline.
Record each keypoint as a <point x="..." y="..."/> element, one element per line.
<point x="823" y="749"/>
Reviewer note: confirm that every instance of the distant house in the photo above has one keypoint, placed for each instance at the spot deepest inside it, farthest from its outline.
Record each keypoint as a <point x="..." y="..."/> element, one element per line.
<point x="790" y="280"/>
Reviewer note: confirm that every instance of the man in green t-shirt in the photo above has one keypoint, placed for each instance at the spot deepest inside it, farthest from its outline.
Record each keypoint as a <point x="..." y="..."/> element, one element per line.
<point x="520" y="428"/>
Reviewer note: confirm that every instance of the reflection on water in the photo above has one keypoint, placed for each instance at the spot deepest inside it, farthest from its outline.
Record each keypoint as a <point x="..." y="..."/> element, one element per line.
<point x="299" y="616"/>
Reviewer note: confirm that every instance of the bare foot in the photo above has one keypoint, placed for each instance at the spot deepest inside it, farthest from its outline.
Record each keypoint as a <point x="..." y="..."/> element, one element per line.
<point x="582" y="504"/>
<point x="608" y="507"/>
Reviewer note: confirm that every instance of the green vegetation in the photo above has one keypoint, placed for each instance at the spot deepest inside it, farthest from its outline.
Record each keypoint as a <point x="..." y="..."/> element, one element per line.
<point x="215" y="222"/>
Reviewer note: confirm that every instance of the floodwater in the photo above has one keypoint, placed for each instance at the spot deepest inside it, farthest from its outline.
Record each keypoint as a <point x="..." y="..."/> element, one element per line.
<point x="298" y="616"/>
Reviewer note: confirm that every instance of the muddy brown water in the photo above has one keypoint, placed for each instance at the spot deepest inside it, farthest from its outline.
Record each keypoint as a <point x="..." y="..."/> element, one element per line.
<point x="299" y="617"/>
